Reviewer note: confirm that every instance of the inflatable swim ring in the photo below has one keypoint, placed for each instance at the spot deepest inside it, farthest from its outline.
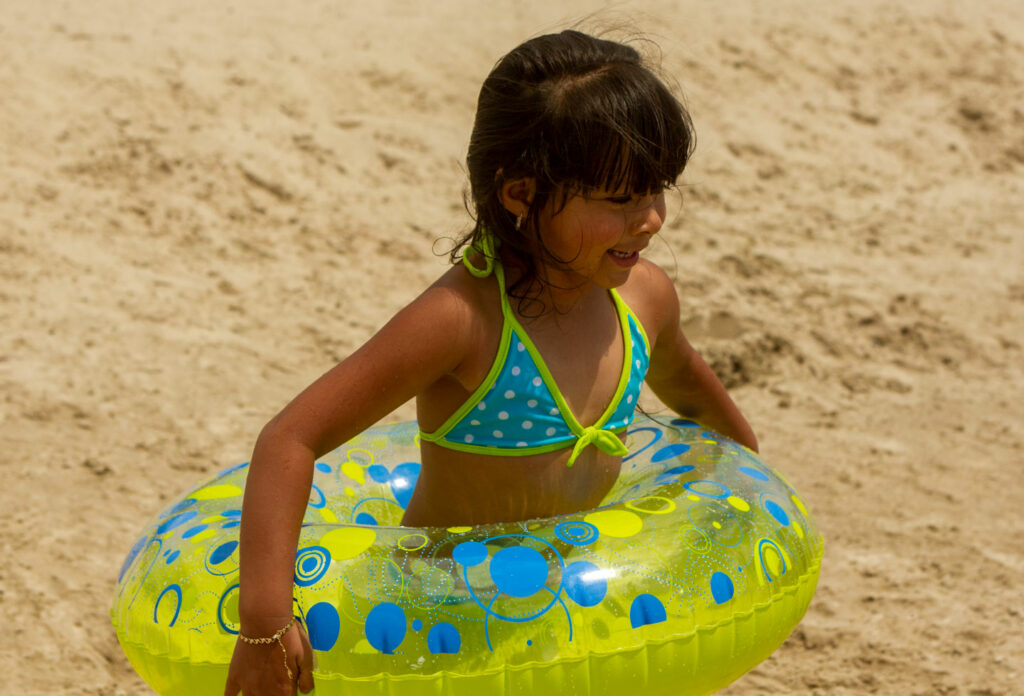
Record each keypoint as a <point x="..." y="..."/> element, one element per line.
<point x="697" y="566"/>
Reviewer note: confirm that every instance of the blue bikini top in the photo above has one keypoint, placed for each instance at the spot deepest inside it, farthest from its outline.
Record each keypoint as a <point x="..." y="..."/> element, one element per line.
<point x="518" y="409"/>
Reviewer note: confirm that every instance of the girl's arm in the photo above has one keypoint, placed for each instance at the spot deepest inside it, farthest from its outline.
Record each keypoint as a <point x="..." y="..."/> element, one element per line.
<point x="679" y="376"/>
<point x="417" y="347"/>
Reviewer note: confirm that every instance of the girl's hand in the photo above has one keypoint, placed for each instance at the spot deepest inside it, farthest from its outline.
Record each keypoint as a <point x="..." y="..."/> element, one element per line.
<point x="259" y="670"/>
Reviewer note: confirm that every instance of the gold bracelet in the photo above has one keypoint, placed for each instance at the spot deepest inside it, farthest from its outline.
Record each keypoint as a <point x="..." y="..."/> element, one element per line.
<point x="274" y="638"/>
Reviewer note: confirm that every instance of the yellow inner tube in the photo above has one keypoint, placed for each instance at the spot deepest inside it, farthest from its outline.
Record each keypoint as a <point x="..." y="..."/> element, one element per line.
<point x="697" y="565"/>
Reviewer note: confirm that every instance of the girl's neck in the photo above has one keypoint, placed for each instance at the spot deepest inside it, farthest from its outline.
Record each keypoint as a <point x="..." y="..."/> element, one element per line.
<point x="552" y="292"/>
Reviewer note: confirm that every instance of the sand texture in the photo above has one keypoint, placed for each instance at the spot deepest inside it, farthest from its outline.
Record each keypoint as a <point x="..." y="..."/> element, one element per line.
<point x="205" y="205"/>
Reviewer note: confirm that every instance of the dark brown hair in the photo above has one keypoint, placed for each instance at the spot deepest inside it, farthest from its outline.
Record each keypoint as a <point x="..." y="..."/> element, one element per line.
<point x="575" y="113"/>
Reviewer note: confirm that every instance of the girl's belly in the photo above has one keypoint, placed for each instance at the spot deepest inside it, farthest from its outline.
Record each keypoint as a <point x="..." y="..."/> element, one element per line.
<point x="458" y="488"/>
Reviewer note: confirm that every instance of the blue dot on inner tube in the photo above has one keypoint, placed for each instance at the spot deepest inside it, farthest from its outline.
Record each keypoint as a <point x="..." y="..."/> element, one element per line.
<point x="417" y="624"/>
<point x="403" y="481"/>
<point x="366" y="518"/>
<point x="311" y="563"/>
<point x="176" y="521"/>
<point x="685" y="423"/>
<point x="192" y="531"/>
<point x="470" y="553"/>
<point x="231" y="513"/>
<point x="223" y="552"/>
<point x="754" y="473"/>
<point x="585" y="583"/>
<point x="378" y="473"/>
<point x="519" y="571"/>
<point x="324" y="468"/>
<point x="324" y="625"/>
<point x="777" y="512"/>
<point x="385" y="627"/>
<point x="721" y="587"/>
<point x="669" y="451"/>
<point x="444" y="639"/>
<point x="577" y="533"/>
<point x="670" y="475"/>
<point x="172" y="555"/>
<point x="646" y="609"/>
<point x="529" y="642"/>
<point x="179" y="506"/>
<point x="229" y="525"/>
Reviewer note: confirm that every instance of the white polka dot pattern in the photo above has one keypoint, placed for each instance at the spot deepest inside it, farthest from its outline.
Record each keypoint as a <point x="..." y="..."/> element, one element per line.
<point x="529" y="416"/>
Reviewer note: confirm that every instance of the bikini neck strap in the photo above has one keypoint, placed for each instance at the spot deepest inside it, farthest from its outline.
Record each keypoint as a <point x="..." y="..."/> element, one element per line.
<point x="485" y="245"/>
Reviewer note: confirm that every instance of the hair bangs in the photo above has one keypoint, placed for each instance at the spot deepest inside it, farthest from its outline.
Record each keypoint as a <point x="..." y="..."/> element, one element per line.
<point x="617" y="129"/>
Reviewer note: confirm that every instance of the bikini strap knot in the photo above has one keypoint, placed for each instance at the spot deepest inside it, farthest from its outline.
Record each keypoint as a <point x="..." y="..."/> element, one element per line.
<point x="485" y="246"/>
<point x="605" y="440"/>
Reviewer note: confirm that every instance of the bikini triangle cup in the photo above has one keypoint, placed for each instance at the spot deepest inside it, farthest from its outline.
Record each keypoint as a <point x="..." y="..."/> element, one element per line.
<point x="519" y="380"/>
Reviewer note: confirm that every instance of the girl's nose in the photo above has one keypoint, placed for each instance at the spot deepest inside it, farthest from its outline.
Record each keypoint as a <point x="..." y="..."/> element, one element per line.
<point x="650" y="218"/>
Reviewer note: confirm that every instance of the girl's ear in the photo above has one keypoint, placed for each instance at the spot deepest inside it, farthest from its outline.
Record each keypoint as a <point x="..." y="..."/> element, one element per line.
<point x="517" y="195"/>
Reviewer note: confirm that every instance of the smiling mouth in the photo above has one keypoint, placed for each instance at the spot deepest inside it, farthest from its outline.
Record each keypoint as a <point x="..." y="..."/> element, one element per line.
<point x="625" y="258"/>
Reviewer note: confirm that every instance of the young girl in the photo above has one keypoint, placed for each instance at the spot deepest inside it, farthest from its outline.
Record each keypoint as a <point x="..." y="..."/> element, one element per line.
<point x="525" y="359"/>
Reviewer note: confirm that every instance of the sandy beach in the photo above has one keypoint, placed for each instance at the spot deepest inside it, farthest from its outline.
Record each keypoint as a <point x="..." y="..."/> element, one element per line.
<point x="204" y="206"/>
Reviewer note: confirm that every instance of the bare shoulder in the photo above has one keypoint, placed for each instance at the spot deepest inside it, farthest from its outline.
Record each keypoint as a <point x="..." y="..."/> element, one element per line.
<point x="651" y="295"/>
<point x="466" y="311"/>
<point x="461" y="297"/>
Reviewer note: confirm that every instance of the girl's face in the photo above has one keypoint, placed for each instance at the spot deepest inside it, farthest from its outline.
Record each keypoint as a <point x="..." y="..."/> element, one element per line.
<point x="599" y="235"/>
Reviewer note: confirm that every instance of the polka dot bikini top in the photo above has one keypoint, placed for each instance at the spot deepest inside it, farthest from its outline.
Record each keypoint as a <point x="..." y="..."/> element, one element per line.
<point x="519" y="410"/>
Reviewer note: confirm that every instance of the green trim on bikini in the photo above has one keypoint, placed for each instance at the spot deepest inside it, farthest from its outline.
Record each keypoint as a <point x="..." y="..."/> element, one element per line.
<point x="514" y="451"/>
<point x="605" y="440"/>
<point x="585" y="435"/>
<point x="497" y="364"/>
<point x="639" y="325"/>
<point x="478" y="393"/>
<point x="485" y="249"/>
